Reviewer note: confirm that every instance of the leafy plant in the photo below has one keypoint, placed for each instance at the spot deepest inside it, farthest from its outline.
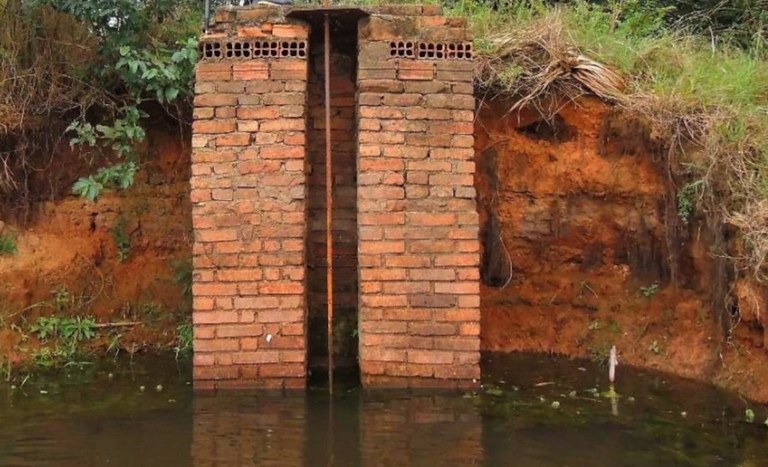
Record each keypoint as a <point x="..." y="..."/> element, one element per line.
<point x="78" y="329"/>
<point x="654" y="347"/>
<point x="116" y="56"/>
<point x="46" y="328"/>
<point x="650" y="290"/>
<point x="184" y="339"/>
<point x="119" y="175"/>
<point x="686" y="200"/>
<point x="67" y="336"/>
<point x="749" y="415"/>
<point x="182" y="274"/>
<point x="7" y="244"/>
<point x="122" y="240"/>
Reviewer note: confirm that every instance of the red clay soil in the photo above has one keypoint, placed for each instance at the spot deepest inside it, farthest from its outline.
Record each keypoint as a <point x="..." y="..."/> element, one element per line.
<point x="584" y="212"/>
<point x="68" y="247"/>
<point x="582" y="205"/>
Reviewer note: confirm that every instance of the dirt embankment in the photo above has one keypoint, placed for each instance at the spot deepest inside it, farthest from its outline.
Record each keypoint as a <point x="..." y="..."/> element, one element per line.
<point x="598" y="256"/>
<point x="122" y="258"/>
<point x="589" y="233"/>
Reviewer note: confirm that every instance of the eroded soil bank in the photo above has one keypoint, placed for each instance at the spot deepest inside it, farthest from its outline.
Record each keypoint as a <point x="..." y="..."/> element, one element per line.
<point x="123" y="259"/>
<point x="586" y="223"/>
<point x="582" y="207"/>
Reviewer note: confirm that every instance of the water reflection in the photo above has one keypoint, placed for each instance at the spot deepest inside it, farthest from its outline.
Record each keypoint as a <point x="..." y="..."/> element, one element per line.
<point x="362" y="428"/>
<point x="258" y="429"/>
<point x="121" y="420"/>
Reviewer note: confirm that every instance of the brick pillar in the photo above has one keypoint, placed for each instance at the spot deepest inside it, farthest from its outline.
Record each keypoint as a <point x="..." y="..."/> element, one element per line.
<point x="418" y="224"/>
<point x="249" y="206"/>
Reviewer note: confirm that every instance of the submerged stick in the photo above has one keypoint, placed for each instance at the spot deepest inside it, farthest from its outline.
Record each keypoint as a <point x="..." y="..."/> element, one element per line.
<point x="119" y="324"/>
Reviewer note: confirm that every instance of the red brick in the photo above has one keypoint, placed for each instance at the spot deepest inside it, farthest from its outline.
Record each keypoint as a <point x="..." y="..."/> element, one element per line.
<point x="253" y="70"/>
<point x="281" y="288"/>
<point x="432" y="329"/>
<point x="460" y="288"/>
<point x="384" y="301"/>
<point x="239" y="330"/>
<point x="215" y="100"/>
<point x="262" y="356"/>
<point x="234" y="139"/>
<point x="257" y="113"/>
<point x="431" y="219"/>
<point x="213" y="290"/>
<point x="430" y="357"/>
<point x="214" y="373"/>
<point x="238" y="275"/>
<point x="216" y="345"/>
<point x="294" y="370"/>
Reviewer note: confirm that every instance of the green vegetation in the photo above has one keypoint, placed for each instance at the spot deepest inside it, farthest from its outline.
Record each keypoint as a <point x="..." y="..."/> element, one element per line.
<point x="697" y="78"/>
<point x="182" y="274"/>
<point x="650" y="290"/>
<point x="122" y="239"/>
<point x="62" y="339"/>
<point x="7" y="244"/>
<point x="100" y="61"/>
<point x="184" y="339"/>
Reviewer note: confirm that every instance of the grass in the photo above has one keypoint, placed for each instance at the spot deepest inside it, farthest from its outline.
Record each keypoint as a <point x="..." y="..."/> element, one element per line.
<point x="7" y="244"/>
<point x="704" y="97"/>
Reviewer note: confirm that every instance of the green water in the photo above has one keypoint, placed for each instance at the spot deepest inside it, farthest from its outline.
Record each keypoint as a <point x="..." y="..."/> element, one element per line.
<point x="534" y="411"/>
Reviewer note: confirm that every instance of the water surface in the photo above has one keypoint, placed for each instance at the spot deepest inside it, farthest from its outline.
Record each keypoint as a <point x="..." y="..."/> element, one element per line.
<point x="533" y="411"/>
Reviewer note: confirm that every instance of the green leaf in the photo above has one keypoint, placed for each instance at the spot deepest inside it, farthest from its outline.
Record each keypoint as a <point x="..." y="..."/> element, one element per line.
<point x="171" y="93"/>
<point x="88" y="188"/>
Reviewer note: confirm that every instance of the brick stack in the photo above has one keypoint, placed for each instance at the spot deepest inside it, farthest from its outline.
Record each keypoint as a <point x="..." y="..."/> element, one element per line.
<point x="405" y="209"/>
<point x="249" y="208"/>
<point x="418" y="224"/>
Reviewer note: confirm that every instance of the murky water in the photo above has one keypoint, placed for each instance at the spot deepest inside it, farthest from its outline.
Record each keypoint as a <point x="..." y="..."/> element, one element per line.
<point x="534" y="411"/>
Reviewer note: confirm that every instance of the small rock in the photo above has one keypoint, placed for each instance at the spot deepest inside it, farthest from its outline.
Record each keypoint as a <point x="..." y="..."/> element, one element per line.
<point x="142" y="388"/>
<point x="159" y="388"/>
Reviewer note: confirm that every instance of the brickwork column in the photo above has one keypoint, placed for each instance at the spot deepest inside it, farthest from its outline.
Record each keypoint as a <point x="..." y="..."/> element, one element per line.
<point x="418" y="224"/>
<point x="249" y="207"/>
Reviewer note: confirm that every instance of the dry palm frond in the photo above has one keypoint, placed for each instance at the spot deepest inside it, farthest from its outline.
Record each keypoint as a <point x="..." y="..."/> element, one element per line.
<point x="539" y="62"/>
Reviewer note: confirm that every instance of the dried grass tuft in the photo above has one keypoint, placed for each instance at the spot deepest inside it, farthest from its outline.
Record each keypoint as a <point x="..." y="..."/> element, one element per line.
<point x="539" y="61"/>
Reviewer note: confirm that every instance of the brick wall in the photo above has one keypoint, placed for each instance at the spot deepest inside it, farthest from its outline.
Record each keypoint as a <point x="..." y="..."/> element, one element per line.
<point x="418" y="225"/>
<point x="249" y="214"/>
<point x="406" y="227"/>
